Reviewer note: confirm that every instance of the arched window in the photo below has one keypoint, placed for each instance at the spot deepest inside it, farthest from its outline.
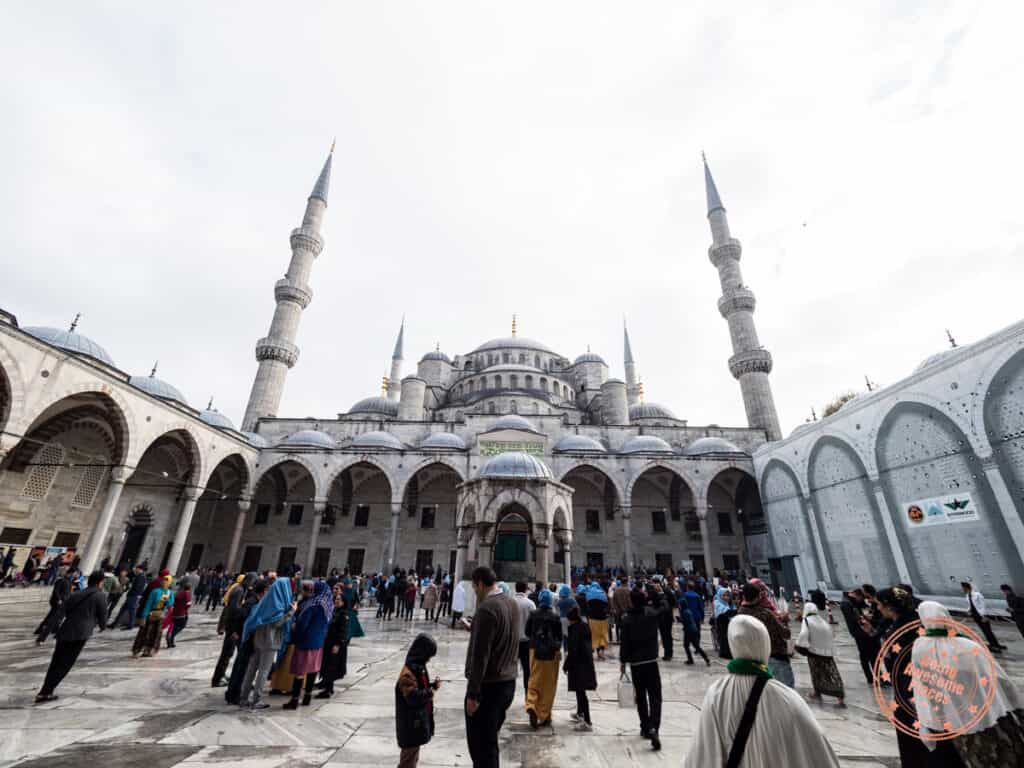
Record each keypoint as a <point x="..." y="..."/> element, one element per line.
<point x="490" y="407"/>
<point x="513" y="407"/>
<point x="497" y="382"/>
<point x="536" y="408"/>
<point x="529" y="381"/>
<point x="536" y="361"/>
<point x="513" y="381"/>
<point x="543" y="384"/>
<point x="522" y="358"/>
<point x="45" y="465"/>
<point x="505" y="357"/>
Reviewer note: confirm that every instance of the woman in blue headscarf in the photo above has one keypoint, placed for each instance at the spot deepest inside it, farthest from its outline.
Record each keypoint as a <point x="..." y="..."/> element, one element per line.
<point x="597" y="616"/>
<point x="544" y="631"/>
<point x="309" y="631"/>
<point x="265" y="625"/>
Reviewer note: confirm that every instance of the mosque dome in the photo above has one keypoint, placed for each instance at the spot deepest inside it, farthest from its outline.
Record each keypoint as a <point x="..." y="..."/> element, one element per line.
<point x="649" y="411"/>
<point x="589" y="357"/>
<point x="378" y="440"/>
<point x="513" y="342"/>
<point x="157" y="388"/>
<point x="447" y="441"/>
<point x="931" y="360"/>
<point x="257" y="441"/>
<point x="516" y="465"/>
<point x="378" y="405"/>
<point x="579" y="443"/>
<point x="513" y="421"/>
<point x="215" y="418"/>
<point x="707" y="445"/>
<point x="437" y="354"/>
<point x="647" y="444"/>
<point x="799" y="428"/>
<point x="71" y="342"/>
<point x="309" y="438"/>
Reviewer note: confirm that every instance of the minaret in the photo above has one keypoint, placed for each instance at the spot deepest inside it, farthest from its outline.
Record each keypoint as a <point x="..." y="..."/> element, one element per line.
<point x="632" y="390"/>
<point x="750" y="363"/>
<point x="276" y="352"/>
<point x="395" y="380"/>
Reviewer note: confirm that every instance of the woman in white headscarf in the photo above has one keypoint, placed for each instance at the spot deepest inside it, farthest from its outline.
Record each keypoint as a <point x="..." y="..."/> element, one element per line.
<point x="945" y="663"/>
<point x="815" y="642"/>
<point x="784" y="731"/>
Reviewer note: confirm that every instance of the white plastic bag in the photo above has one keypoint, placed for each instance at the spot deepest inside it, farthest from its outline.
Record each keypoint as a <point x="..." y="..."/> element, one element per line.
<point x="627" y="700"/>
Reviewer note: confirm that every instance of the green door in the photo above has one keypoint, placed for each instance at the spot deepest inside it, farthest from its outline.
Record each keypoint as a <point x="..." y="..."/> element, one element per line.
<point x="511" y="547"/>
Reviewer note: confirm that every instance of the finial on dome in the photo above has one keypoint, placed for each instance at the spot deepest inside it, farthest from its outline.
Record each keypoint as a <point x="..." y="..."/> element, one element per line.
<point x="437" y="347"/>
<point x="814" y="416"/>
<point x="152" y="373"/>
<point x="333" y="142"/>
<point x="74" y="323"/>
<point x="209" y="405"/>
<point x="952" y="341"/>
<point x="640" y="391"/>
<point x="385" y="383"/>
<point x="513" y="326"/>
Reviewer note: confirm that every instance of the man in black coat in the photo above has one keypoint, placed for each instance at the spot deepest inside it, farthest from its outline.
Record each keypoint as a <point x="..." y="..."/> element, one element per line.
<point x="83" y="611"/>
<point x="639" y="649"/>
<point x="868" y="645"/>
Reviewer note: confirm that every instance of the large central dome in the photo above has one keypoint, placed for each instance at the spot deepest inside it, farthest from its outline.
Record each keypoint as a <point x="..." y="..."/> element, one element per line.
<point x="514" y="342"/>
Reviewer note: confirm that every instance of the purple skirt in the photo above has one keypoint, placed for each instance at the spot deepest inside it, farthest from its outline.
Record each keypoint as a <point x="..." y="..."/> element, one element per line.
<point x="306" y="662"/>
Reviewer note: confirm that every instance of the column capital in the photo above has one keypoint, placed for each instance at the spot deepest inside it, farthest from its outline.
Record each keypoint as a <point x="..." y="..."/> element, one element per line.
<point x="626" y="510"/>
<point x="120" y="474"/>
<point x="989" y="463"/>
<point x="244" y="505"/>
<point x="191" y="494"/>
<point x="319" y="506"/>
<point x="396" y="509"/>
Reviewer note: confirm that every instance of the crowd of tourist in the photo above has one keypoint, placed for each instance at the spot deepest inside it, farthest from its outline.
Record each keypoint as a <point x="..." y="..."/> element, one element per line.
<point x="291" y="635"/>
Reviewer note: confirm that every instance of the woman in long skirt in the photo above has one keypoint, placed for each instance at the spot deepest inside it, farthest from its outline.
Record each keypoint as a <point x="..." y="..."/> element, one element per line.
<point x="335" y="658"/>
<point x="815" y="641"/>
<point x="308" y="634"/>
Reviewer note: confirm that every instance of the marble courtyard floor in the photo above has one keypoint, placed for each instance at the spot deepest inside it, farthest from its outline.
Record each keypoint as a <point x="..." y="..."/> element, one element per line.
<point x="116" y="711"/>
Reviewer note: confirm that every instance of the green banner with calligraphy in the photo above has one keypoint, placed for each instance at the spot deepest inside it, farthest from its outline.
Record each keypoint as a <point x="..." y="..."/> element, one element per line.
<point x="494" y="447"/>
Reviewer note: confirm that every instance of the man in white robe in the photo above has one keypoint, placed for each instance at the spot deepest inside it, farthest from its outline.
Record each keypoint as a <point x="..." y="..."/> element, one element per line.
<point x="784" y="732"/>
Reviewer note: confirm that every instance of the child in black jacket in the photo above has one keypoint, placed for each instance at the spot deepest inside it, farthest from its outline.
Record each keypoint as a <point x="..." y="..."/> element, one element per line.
<point x="414" y="701"/>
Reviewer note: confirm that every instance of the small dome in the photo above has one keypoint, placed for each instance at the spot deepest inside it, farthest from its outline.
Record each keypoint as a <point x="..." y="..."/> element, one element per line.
<point x="436" y="355"/>
<point x="383" y="440"/>
<point x="447" y="441"/>
<point x="157" y="388"/>
<point x="512" y="421"/>
<point x="931" y="360"/>
<point x="513" y="342"/>
<point x="705" y="445"/>
<point x="257" y="441"/>
<point x="380" y="405"/>
<point x="579" y="443"/>
<point x="71" y="342"/>
<point x="215" y="418"/>
<point x="800" y="428"/>
<point x="647" y="444"/>
<point x="309" y="438"/>
<point x="516" y="465"/>
<point x="589" y="357"/>
<point x="649" y="411"/>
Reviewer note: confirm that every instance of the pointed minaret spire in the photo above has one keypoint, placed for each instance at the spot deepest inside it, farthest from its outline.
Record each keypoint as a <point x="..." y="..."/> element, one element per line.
<point x="714" y="201"/>
<point x="395" y="380"/>
<point x="323" y="182"/>
<point x="74" y="323"/>
<point x="152" y="374"/>
<point x="277" y="352"/>
<point x="632" y="391"/>
<point x="750" y="363"/>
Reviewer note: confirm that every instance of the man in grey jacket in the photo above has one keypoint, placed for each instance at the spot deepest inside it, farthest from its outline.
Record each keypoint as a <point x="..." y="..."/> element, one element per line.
<point x="83" y="612"/>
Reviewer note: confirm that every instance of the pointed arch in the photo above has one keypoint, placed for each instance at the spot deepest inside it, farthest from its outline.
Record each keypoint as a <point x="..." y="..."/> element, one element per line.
<point x="297" y="458"/>
<point x="595" y="465"/>
<point x="12" y="390"/>
<point x="428" y="462"/>
<point x="348" y="462"/>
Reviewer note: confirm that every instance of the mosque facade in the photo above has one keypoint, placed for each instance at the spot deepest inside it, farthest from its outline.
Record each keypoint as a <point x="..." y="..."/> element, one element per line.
<point x="510" y="454"/>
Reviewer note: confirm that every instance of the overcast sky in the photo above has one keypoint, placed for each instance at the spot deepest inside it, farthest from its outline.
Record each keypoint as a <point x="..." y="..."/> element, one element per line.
<point x="533" y="158"/>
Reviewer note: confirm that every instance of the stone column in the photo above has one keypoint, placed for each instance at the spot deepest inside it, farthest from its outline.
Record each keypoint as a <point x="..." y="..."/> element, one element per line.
<point x="118" y="477"/>
<point x="567" y="559"/>
<point x="1005" y="503"/>
<point x="236" y="536"/>
<point x="627" y="537"/>
<point x="824" y="570"/>
<point x="319" y="506"/>
<point x="890" y="534"/>
<point x="184" y="523"/>
<point x="461" y="549"/>
<point x="541" y="540"/>
<point x="485" y="544"/>
<point x="396" y="511"/>
<point x="705" y="535"/>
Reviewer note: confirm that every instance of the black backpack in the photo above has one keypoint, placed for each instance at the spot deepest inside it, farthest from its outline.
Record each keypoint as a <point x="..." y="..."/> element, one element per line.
<point x="545" y="644"/>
